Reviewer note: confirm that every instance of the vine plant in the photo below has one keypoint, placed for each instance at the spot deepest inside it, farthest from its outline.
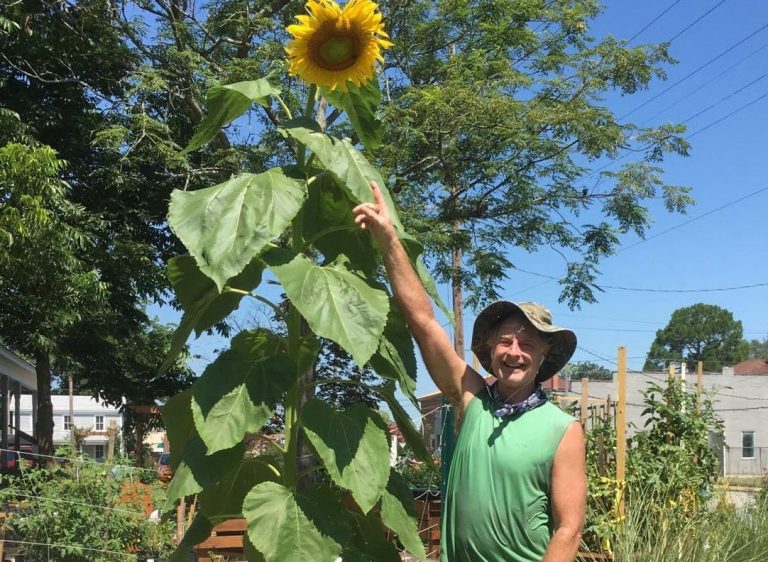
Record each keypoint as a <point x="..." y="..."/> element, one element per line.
<point x="294" y="221"/>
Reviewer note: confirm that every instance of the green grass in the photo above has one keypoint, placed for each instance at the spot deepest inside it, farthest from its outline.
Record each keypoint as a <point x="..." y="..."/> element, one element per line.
<point x="654" y="532"/>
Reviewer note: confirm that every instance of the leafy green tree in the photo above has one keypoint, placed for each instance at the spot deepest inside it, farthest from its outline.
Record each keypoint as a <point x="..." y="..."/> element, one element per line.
<point x="701" y="332"/>
<point x="496" y="114"/>
<point x="47" y="289"/>
<point x="757" y="349"/>
<point x="71" y="79"/>
<point x="588" y="369"/>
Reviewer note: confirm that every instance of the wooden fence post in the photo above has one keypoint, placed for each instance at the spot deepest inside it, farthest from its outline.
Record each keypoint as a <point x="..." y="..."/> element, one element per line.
<point x="584" y="400"/>
<point x="621" y="425"/>
<point x="699" y="383"/>
<point x="111" y="435"/>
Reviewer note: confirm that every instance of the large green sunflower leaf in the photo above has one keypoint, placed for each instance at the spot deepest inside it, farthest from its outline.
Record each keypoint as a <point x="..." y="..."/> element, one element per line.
<point x="399" y="514"/>
<point x="347" y="165"/>
<point x="337" y="303"/>
<point x="193" y="468"/>
<point x="239" y="391"/>
<point x="369" y="543"/>
<point x="360" y="104"/>
<point x="353" y="446"/>
<point x="288" y="527"/>
<point x="225" y="226"/>
<point x="395" y="358"/>
<point x="404" y="423"/>
<point x="203" y="305"/>
<point x="225" y="498"/>
<point x="330" y="226"/>
<point x="227" y="103"/>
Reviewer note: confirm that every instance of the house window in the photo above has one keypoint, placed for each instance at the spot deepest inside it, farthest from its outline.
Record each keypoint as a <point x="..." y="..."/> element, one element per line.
<point x="747" y="444"/>
<point x="67" y="423"/>
<point x="98" y="452"/>
<point x="99" y="423"/>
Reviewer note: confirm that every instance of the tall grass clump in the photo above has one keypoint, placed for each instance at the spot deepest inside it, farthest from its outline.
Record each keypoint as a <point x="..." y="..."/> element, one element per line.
<point x="658" y="529"/>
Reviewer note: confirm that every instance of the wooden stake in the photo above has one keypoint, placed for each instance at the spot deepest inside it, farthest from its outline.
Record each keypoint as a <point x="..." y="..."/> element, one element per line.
<point x="699" y="383"/>
<point x="180" y="520"/>
<point x="72" y="412"/>
<point x="111" y="435"/>
<point x="671" y="371"/>
<point x="621" y="425"/>
<point x="584" y="400"/>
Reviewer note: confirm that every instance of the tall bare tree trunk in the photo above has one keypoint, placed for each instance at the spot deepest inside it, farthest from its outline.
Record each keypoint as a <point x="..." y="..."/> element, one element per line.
<point x="458" y="296"/>
<point x="44" y="423"/>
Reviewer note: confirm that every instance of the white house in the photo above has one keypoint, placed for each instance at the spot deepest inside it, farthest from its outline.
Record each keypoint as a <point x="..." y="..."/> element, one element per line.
<point x="17" y="382"/>
<point x="88" y="414"/>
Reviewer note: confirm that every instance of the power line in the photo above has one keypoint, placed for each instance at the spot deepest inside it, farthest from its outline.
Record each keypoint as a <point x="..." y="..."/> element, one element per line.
<point x="693" y="219"/>
<point x="654" y="20"/>
<point x="707" y="83"/>
<point x="644" y="290"/>
<point x="630" y="151"/>
<point x="697" y="20"/>
<point x="716" y="290"/>
<point x="687" y="76"/>
<point x="734" y="112"/>
<point x="721" y="100"/>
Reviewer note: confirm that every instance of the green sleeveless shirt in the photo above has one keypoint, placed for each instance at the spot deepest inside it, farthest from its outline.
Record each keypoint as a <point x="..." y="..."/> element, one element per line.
<point x="496" y="506"/>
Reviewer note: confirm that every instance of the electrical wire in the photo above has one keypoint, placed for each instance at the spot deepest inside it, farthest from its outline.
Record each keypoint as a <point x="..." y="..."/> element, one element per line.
<point x="56" y="500"/>
<point x="707" y="83"/>
<point x="78" y="460"/>
<point x="645" y="290"/>
<point x="654" y="20"/>
<point x="697" y="20"/>
<point x="692" y="73"/>
<point x="726" y="116"/>
<point x="31" y="543"/>
<point x="696" y="218"/>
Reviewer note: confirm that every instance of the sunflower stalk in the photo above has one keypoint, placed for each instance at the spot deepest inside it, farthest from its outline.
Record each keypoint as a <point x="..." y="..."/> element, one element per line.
<point x="299" y="226"/>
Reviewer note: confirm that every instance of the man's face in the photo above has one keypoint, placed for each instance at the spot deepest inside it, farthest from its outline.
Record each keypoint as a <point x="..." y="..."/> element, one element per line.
<point x="517" y="352"/>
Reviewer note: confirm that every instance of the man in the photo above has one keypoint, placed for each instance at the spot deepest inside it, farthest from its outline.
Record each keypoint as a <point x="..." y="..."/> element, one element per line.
<point x="517" y="485"/>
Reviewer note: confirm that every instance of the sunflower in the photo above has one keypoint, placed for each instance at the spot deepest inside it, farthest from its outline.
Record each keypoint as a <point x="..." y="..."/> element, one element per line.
<point x="332" y="46"/>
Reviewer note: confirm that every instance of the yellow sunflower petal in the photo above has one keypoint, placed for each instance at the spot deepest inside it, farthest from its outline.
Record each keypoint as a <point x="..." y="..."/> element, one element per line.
<point x="331" y="46"/>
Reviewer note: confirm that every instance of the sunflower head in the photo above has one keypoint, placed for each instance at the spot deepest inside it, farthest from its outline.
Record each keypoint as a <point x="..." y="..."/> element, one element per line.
<point x="332" y="46"/>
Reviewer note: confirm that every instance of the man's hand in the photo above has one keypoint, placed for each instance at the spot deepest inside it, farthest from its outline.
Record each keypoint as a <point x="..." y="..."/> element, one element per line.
<point x="376" y="218"/>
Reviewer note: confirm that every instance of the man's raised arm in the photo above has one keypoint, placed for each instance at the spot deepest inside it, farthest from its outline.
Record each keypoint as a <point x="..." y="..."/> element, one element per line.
<point x="451" y="374"/>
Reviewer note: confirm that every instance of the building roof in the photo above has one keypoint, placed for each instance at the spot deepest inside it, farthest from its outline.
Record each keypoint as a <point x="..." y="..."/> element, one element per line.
<point x="751" y="367"/>
<point x="80" y="405"/>
<point x="17" y="368"/>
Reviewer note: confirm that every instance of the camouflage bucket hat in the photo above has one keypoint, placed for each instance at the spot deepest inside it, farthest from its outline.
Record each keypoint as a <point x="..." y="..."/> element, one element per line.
<point x="563" y="340"/>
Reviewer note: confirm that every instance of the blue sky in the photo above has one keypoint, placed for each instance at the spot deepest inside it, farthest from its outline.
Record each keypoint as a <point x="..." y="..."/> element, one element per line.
<point x="727" y="246"/>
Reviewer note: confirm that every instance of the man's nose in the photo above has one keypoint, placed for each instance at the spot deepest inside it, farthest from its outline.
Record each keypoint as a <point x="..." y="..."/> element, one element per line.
<point x="514" y="348"/>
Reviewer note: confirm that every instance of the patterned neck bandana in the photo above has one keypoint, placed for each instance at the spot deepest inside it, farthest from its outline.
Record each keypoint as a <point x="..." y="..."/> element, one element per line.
<point x="533" y="401"/>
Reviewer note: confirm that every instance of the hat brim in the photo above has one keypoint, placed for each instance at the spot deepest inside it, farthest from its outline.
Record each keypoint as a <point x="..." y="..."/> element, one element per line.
<point x="563" y="340"/>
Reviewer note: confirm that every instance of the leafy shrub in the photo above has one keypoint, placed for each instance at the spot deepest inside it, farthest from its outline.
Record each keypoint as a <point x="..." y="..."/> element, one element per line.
<point x="76" y="509"/>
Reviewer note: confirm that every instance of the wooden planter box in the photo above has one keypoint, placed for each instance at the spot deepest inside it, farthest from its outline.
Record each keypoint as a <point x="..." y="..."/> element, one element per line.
<point x="226" y="540"/>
